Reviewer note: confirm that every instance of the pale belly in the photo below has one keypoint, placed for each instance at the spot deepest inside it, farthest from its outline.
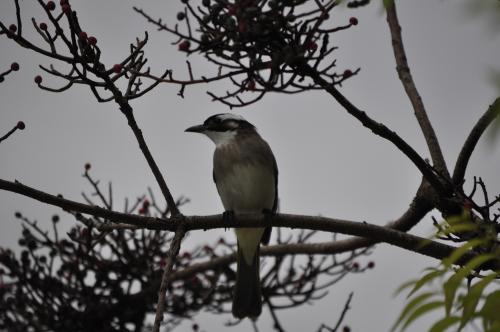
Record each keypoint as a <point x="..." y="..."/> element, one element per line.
<point x="248" y="189"/>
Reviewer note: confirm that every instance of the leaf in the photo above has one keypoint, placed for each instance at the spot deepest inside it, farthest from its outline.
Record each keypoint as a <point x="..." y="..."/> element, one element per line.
<point x="388" y="3"/>
<point x="490" y="310"/>
<point x="460" y="251"/>
<point x="495" y="327"/>
<point x="452" y="284"/>
<point x="404" y="286"/>
<point x="471" y="300"/>
<point x="461" y="228"/>
<point x="421" y="311"/>
<point x="410" y="306"/>
<point x="444" y="323"/>
<point x="426" y="279"/>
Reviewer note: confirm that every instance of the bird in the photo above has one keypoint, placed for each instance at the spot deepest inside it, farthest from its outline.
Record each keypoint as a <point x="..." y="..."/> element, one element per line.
<point x="246" y="176"/>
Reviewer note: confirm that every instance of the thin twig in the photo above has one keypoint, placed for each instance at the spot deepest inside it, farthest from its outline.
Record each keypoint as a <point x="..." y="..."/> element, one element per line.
<point x="167" y="276"/>
<point x="472" y="140"/>
<point x="344" y="311"/>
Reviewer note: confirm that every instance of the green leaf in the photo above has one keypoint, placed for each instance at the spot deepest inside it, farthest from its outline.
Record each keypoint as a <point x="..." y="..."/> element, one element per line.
<point x="471" y="300"/>
<point x="422" y="310"/>
<point x="460" y="251"/>
<point x="495" y="327"/>
<point x="452" y="284"/>
<point x="426" y="279"/>
<point x="388" y="3"/>
<point x="444" y="323"/>
<point x="460" y="228"/>
<point x="490" y="310"/>
<point x="410" y="306"/>
<point x="404" y="286"/>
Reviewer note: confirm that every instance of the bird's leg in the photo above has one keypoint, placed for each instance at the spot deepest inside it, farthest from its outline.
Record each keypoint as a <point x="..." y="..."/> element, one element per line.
<point x="268" y="216"/>
<point x="268" y="213"/>
<point x="227" y="217"/>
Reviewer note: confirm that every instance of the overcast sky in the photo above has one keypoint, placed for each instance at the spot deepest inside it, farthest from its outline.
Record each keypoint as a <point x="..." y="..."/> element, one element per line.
<point x="329" y="164"/>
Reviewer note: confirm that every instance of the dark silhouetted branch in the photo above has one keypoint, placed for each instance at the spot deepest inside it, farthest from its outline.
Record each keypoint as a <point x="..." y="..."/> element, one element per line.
<point x="470" y="143"/>
<point x="373" y="232"/>
<point x="411" y="90"/>
<point x="166" y="279"/>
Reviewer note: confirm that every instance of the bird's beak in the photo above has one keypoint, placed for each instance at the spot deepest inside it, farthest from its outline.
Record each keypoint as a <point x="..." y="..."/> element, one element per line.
<point x="196" y="129"/>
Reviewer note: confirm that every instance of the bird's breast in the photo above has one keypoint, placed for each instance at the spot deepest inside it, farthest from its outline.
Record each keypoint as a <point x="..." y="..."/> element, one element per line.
<point x="246" y="187"/>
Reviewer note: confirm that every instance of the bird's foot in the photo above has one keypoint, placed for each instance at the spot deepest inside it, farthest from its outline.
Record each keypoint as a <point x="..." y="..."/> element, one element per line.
<point x="268" y="216"/>
<point x="227" y="217"/>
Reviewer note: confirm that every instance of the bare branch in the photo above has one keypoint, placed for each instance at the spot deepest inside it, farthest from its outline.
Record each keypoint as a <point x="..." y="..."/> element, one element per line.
<point x="470" y="143"/>
<point x="379" y="129"/>
<point x="167" y="276"/>
<point x="373" y="232"/>
<point x="411" y="90"/>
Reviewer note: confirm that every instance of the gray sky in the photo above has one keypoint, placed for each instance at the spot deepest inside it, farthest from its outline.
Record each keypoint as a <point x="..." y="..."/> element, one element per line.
<point x="329" y="164"/>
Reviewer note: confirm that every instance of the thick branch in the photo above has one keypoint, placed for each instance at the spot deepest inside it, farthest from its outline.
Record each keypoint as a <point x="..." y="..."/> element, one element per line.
<point x="373" y="232"/>
<point x="472" y="140"/>
<point x="411" y="90"/>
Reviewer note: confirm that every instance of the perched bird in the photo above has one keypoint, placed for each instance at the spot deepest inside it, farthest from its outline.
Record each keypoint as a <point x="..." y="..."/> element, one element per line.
<point x="246" y="177"/>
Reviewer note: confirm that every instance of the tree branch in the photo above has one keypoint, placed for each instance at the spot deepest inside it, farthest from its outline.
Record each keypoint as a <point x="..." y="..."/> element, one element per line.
<point x="373" y="232"/>
<point x="167" y="276"/>
<point x="470" y="143"/>
<point x="411" y="91"/>
<point x="378" y="129"/>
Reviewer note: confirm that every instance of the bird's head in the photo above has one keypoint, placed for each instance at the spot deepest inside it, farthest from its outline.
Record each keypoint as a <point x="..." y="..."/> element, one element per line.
<point x="223" y="128"/>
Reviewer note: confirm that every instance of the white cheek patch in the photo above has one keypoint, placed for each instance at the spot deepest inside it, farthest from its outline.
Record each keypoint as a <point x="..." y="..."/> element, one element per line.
<point x="221" y="138"/>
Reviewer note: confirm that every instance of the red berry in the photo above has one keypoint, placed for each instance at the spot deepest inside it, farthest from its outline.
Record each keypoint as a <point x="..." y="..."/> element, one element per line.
<point x="66" y="8"/>
<point x="346" y="329"/>
<point x="13" y="28"/>
<point x="38" y="79"/>
<point x="347" y="73"/>
<point x="63" y="2"/>
<point x="51" y="5"/>
<point x="117" y="68"/>
<point x="92" y="40"/>
<point x="14" y="66"/>
<point x="20" y="125"/>
<point x="371" y="264"/>
<point x="251" y="85"/>
<point x="355" y="265"/>
<point x="181" y="16"/>
<point x="312" y="46"/>
<point x="242" y="27"/>
<point x="231" y="10"/>
<point x="145" y="204"/>
<point x="142" y="211"/>
<point x="353" y="21"/>
<point x="43" y="26"/>
<point x="87" y="166"/>
<point x="195" y="327"/>
<point x="468" y="204"/>
<point x="82" y="35"/>
<point x="184" y="46"/>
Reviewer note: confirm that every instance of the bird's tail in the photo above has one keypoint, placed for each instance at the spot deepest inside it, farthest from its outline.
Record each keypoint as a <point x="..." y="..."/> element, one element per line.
<point x="247" y="301"/>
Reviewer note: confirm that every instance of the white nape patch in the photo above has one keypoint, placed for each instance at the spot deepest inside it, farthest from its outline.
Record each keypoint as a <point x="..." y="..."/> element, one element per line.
<point x="230" y="116"/>
<point x="221" y="138"/>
